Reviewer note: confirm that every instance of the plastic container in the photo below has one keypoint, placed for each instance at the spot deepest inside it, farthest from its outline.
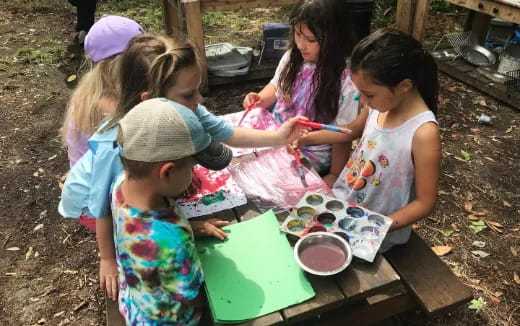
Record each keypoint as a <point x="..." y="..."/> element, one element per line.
<point x="227" y="60"/>
<point x="276" y="39"/>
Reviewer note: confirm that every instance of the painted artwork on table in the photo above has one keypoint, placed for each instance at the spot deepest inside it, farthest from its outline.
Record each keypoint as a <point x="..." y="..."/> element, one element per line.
<point x="258" y="118"/>
<point x="210" y="192"/>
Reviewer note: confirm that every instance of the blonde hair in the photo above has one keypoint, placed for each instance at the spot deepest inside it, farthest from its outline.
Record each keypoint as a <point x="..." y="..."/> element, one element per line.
<point x="150" y="64"/>
<point x="84" y="107"/>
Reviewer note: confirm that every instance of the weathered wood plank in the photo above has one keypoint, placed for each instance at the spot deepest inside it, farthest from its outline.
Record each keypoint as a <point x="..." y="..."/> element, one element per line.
<point x="112" y="314"/>
<point x="420" y="17"/>
<point x="404" y="16"/>
<point x="361" y="279"/>
<point x="369" y="313"/>
<point x="328" y="297"/>
<point x="215" y="5"/>
<point x="501" y="10"/>
<point x="496" y="90"/>
<point x="273" y="319"/>
<point x="436" y="288"/>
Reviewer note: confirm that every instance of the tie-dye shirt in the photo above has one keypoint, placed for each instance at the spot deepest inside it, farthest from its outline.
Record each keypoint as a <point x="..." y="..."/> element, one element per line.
<point x="158" y="265"/>
<point x="302" y="103"/>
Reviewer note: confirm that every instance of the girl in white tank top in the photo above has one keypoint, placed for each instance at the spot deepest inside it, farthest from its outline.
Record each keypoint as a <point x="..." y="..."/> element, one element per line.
<point x="394" y="170"/>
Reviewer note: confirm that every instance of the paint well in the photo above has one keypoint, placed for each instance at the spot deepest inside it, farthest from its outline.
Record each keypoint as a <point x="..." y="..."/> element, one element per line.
<point x="305" y="212"/>
<point x="326" y="218"/>
<point x="334" y="205"/>
<point x="314" y="200"/>
<point x="323" y="257"/>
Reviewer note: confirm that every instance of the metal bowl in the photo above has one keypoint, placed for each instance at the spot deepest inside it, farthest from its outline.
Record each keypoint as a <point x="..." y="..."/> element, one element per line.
<point x="326" y="238"/>
<point x="477" y="55"/>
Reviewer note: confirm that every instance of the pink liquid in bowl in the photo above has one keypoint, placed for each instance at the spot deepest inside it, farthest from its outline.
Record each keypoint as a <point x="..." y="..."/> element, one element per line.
<point x="323" y="257"/>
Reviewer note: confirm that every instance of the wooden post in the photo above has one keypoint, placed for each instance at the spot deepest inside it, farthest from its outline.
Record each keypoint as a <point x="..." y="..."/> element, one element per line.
<point x="480" y="27"/>
<point x="419" y="18"/>
<point x="404" y="15"/>
<point x="171" y="18"/>
<point x="193" y="20"/>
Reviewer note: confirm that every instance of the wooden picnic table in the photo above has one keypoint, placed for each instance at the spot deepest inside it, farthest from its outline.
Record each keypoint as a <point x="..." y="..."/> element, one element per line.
<point x="407" y="277"/>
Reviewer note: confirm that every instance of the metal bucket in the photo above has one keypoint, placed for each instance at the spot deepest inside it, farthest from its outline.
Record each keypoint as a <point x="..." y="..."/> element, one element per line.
<point x="509" y="59"/>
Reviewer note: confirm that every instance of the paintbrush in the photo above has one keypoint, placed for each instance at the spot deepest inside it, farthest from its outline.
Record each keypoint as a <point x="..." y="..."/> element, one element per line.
<point x="316" y="125"/>
<point x="246" y="111"/>
<point x="299" y="166"/>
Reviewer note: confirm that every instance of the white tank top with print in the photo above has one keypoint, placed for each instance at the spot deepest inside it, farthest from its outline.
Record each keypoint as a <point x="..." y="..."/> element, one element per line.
<point x="380" y="172"/>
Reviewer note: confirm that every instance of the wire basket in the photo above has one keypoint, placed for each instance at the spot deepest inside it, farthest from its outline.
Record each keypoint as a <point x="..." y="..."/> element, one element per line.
<point x="457" y="41"/>
<point x="513" y="81"/>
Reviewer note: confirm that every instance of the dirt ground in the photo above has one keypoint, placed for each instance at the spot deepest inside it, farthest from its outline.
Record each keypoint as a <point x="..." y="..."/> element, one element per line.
<point x="48" y="265"/>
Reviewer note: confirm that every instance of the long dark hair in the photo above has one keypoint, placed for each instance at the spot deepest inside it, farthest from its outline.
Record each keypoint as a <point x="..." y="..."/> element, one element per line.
<point x="388" y="56"/>
<point x="326" y="20"/>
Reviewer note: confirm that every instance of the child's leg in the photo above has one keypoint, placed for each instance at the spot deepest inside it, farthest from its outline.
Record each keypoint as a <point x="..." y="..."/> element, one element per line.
<point x="339" y="157"/>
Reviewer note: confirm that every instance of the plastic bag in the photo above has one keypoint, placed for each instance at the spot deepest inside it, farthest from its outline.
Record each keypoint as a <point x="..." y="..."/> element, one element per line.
<point x="270" y="179"/>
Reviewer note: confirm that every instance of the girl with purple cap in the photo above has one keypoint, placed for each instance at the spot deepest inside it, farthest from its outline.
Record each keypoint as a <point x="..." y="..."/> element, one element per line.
<point x="97" y="93"/>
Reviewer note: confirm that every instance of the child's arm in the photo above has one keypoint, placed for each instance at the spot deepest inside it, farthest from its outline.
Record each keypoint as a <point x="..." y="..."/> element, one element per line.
<point x="209" y="228"/>
<point x="426" y="149"/>
<point x="288" y="132"/>
<point x="108" y="278"/>
<point x="264" y="99"/>
<point x="340" y="154"/>
<point x="332" y="137"/>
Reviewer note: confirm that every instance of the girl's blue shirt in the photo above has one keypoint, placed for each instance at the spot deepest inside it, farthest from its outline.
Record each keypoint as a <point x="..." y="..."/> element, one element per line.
<point x="89" y="183"/>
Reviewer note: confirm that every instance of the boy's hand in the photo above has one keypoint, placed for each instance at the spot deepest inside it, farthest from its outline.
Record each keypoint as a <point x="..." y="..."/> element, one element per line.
<point x="289" y="131"/>
<point x="250" y="99"/>
<point x="108" y="278"/>
<point x="209" y="228"/>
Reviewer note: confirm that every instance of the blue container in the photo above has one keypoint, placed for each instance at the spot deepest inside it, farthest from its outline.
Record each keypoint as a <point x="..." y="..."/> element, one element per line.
<point x="276" y="39"/>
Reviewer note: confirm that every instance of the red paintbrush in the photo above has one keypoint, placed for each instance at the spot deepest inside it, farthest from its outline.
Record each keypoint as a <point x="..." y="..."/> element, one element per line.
<point x="246" y="111"/>
<point x="299" y="166"/>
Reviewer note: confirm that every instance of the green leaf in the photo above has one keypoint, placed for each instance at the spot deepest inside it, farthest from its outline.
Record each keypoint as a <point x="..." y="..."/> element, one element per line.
<point x="477" y="304"/>
<point x="447" y="232"/>
<point x="509" y="130"/>
<point x="478" y="226"/>
<point x="465" y="155"/>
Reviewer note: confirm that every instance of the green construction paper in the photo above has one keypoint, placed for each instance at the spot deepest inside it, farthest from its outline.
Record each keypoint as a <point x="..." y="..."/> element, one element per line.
<point x="253" y="272"/>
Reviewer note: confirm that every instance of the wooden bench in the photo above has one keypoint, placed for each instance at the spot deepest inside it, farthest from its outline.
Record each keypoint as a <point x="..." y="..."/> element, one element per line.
<point x="427" y="277"/>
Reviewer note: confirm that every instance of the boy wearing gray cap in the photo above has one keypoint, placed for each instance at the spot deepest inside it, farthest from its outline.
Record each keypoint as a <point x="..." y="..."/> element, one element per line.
<point x="159" y="270"/>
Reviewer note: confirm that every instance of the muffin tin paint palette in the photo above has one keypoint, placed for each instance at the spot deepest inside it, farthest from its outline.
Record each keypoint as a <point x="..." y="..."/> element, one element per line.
<point x="362" y="228"/>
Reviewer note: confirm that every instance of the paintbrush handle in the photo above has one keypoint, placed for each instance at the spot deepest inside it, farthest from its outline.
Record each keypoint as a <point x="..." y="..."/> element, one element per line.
<point x="246" y="111"/>
<point x="317" y="125"/>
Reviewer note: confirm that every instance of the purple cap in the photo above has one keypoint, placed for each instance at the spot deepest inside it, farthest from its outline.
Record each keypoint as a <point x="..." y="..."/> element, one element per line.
<point x="110" y="36"/>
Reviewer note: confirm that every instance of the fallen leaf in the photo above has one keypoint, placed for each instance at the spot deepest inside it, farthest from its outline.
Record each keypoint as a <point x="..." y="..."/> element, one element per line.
<point x="13" y="249"/>
<point x="53" y="157"/>
<point x="41" y="321"/>
<point x="441" y="250"/>
<point x="58" y="314"/>
<point x="442" y="192"/>
<point x="483" y="102"/>
<point x="480" y="253"/>
<point x="493" y="226"/>
<point x="478" y="226"/>
<point x="514" y="252"/>
<point x="480" y="244"/>
<point x="516" y="278"/>
<point x="71" y="78"/>
<point x="477" y="304"/>
<point x="70" y="271"/>
<point x="468" y="196"/>
<point x="447" y="232"/>
<point x="465" y="155"/>
<point x="494" y="299"/>
<point x="481" y="214"/>
<point x="455" y="227"/>
<point x="508" y="130"/>
<point x="29" y="253"/>
<point x="468" y="206"/>
<point x="43" y="214"/>
<point x="506" y="203"/>
<point x="473" y="217"/>
<point x="37" y="227"/>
